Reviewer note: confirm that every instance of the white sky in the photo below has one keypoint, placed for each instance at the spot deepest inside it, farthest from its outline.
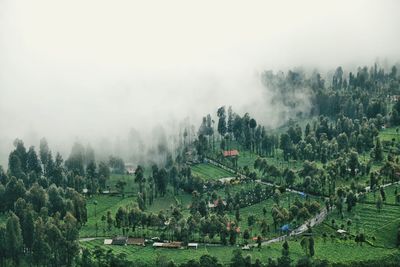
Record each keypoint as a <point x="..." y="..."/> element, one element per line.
<point x="97" y="68"/>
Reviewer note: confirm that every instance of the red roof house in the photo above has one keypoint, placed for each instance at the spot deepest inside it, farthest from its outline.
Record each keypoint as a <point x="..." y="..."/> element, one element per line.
<point x="231" y="153"/>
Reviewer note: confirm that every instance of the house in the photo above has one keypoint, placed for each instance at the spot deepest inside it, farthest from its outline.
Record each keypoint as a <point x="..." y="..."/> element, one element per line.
<point x="215" y="203"/>
<point x="246" y="247"/>
<point x="341" y="232"/>
<point x="193" y="245"/>
<point x="227" y="180"/>
<point x="130" y="168"/>
<point x="167" y="245"/>
<point x="158" y="245"/>
<point x="107" y="241"/>
<point x="135" y="241"/>
<point x="231" y="153"/>
<point x="172" y="245"/>
<point x="119" y="240"/>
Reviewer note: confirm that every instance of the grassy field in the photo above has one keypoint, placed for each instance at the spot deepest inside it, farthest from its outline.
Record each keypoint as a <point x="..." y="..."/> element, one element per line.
<point x="389" y="192"/>
<point x="257" y="211"/>
<point x="379" y="227"/>
<point x="210" y="172"/>
<point x="112" y="203"/>
<point x="389" y="134"/>
<point x="335" y="252"/>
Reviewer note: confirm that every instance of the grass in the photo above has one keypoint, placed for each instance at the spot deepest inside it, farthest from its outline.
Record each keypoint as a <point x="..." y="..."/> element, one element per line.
<point x="334" y="252"/>
<point x="380" y="228"/>
<point x="210" y="172"/>
<point x="257" y="211"/>
<point x="107" y="203"/>
<point x="389" y="134"/>
<point x="389" y="192"/>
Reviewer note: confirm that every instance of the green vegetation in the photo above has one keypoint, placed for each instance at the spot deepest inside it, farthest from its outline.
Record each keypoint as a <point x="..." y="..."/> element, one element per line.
<point x="210" y="172"/>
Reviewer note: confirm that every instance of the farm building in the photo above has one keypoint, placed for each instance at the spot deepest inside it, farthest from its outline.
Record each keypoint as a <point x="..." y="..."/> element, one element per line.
<point x="158" y="245"/>
<point x="119" y="240"/>
<point x="341" y="232"/>
<point x="231" y="153"/>
<point x="130" y="168"/>
<point x="167" y="245"/>
<point x="107" y="241"/>
<point x="215" y="203"/>
<point x="193" y="245"/>
<point x="227" y="180"/>
<point x="135" y="241"/>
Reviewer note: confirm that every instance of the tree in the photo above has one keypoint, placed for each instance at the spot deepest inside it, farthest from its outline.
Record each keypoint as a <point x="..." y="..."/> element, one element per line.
<point x="33" y="163"/>
<point x="290" y="177"/>
<point x="351" y="201"/>
<point x="37" y="197"/>
<point x="70" y="232"/>
<point x="246" y="236"/>
<point x="104" y="174"/>
<point x="15" y="167"/>
<point x="377" y="152"/>
<point x="44" y="153"/>
<point x="28" y="228"/>
<point x="285" y="260"/>
<point x="222" y="121"/>
<point x="14" y="238"/>
<point x="14" y="189"/>
<point x="353" y="162"/>
<point x="237" y="259"/>
<point x="120" y="185"/>
<point x="139" y="177"/>
<point x="311" y="246"/>
<point x="40" y="248"/>
<point x="379" y="203"/>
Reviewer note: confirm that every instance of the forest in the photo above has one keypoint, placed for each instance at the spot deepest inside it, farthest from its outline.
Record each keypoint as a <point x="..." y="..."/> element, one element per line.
<point x="321" y="189"/>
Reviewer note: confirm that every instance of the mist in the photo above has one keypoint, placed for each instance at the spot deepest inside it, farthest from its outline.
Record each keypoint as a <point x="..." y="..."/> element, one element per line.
<point x="110" y="73"/>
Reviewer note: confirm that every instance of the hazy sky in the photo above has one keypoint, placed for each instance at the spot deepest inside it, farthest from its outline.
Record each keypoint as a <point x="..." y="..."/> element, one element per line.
<point x="98" y="68"/>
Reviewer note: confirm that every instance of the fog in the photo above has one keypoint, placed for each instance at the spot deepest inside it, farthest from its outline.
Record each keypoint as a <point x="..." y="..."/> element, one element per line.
<point x="94" y="70"/>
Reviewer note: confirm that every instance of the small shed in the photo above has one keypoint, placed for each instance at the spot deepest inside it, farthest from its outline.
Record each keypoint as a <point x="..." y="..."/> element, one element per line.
<point x="246" y="247"/>
<point x="341" y="232"/>
<point x="158" y="245"/>
<point x="119" y="240"/>
<point x="107" y="241"/>
<point x="172" y="245"/>
<point x="193" y="245"/>
<point x="135" y="241"/>
<point x="215" y="204"/>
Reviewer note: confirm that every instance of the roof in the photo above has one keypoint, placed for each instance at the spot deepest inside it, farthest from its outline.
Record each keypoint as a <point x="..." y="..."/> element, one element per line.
<point x="167" y="245"/>
<point x="172" y="245"/>
<point x="193" y="244"/>
<point x="231" y="153"/>
<point x="119" y="240"/>
<point x="341" y="231"/>
<point x="215" y="203"/>
<point x="135" y="241"/>
<point x="226" y="179"/>
<point x="107" y="241"/>
<point x="286" y="227"/>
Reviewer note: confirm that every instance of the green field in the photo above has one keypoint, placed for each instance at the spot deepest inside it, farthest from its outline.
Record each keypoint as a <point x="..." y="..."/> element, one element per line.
<point x="112" y="203"/>
<point x="389" y="192"/>
<point x="379" y="227"/>
<point x="335" y="252"/>
<point x="210" y="172"/>
<point x="389" y="134"/>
